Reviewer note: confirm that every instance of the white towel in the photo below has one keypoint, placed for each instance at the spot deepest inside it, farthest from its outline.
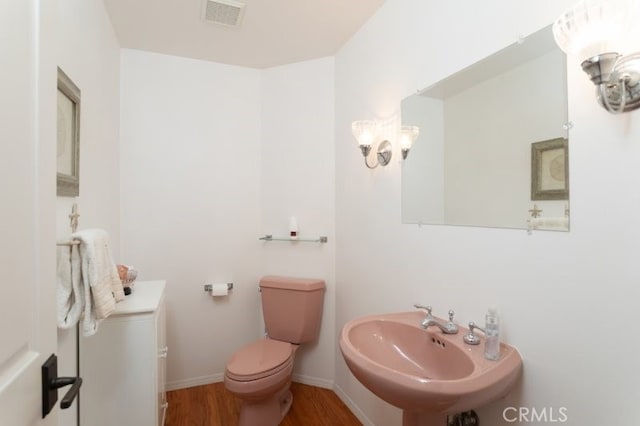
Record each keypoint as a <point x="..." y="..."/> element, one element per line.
<point x="102" y="285"/>
<point x="69" y="292"/>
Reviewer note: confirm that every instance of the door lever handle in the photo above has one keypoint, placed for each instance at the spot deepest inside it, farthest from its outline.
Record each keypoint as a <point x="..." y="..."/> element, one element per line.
<point x="71" y="394"/>
<point x="51" y="383"/>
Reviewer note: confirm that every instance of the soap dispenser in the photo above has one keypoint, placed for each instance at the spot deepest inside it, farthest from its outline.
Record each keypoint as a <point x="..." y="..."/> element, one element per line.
<point x="492" y="335"/>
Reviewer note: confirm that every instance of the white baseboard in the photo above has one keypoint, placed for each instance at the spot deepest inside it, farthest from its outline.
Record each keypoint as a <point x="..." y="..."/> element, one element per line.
<point x="219" y="377"/>
<point x="312" y="381"/>
<point x="352" y="406"/>
<point x="195" y="381"/>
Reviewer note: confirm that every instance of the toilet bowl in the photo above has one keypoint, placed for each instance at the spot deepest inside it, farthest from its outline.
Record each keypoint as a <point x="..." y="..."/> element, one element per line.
<point x="260" y="372"/>
<point x="260" y="375"/>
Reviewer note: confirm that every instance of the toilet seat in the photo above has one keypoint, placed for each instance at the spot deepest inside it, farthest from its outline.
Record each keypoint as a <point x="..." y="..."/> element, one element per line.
<point x="260" y="359"/>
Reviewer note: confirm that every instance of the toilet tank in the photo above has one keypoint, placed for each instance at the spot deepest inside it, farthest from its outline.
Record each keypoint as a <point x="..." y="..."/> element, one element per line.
<point x="292" y="308"/>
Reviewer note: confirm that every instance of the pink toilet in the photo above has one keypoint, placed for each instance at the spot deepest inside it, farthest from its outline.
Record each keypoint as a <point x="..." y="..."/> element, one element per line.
<point x="260" y="373"/>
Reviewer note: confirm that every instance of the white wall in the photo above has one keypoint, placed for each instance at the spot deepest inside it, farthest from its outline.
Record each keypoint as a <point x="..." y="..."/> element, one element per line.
<point x="298" y="180"/>
<point x="190" y="169"/>
<point x="561" y="295"/>
<point x="88" y="52"/>
<point x="213" y="157"/>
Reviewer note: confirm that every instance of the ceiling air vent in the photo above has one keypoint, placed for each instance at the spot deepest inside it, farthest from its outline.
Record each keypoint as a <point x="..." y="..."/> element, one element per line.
<point x="224" y="12"/>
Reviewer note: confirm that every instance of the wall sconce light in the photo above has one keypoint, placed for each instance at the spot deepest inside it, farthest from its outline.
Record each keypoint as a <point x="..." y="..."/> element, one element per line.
<point x="588" y="30"/>
<point x="408" y="135"/>
<point x="366" y="133"/>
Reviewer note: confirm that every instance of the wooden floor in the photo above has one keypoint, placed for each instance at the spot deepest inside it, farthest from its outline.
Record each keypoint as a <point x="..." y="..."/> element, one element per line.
<point x="213" y="405"/>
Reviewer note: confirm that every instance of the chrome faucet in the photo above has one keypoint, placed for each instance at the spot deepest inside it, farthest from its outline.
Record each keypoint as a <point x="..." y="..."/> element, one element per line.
<point x="448" y="328"/>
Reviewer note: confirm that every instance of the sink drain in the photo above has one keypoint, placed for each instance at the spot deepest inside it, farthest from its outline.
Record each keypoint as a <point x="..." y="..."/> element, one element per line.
<point x="468" y="418"/>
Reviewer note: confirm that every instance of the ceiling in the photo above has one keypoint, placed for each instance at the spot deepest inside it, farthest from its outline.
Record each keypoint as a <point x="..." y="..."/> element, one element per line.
<point x="272" y="32"/>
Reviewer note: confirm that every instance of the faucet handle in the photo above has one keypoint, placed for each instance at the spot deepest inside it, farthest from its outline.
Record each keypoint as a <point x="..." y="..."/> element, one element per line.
<point x="470" y="338"/>
<point x="426" y="308"/>
<point x="451" y="327"/>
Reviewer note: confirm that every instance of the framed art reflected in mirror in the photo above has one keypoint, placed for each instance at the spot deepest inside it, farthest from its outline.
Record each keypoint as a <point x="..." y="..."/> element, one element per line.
<point x="68" y="137"/>
<point x="550" y="170"/>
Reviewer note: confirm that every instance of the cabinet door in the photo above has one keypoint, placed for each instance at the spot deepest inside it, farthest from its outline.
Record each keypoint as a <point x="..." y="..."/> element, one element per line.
<point x="162" y="363"/>
<point x="118" y="366"/>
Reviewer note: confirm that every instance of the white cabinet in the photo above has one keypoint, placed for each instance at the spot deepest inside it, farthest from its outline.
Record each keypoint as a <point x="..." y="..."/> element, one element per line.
<point x="123" y="365"/>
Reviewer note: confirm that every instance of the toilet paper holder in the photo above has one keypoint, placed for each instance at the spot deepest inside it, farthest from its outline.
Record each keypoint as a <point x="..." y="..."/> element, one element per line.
<point x="209" y="287"/>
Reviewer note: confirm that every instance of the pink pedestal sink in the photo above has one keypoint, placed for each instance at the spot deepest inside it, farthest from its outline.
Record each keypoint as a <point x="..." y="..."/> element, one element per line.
<point x="426" y="373"/>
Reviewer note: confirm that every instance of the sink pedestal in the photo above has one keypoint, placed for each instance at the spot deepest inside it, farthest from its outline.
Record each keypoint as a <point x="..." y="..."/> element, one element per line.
<point x="412" y="418"/>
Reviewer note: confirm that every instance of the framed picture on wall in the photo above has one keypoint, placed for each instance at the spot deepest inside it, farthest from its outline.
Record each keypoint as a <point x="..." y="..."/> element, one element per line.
<point x="68" y="137"/>
<point x="550" y="170"/>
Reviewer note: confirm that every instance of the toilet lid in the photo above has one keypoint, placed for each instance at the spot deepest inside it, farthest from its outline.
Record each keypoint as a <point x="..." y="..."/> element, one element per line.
<point x="259" y="359"/>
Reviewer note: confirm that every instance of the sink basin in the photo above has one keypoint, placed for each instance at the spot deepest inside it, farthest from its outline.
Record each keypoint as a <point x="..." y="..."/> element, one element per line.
<point x="426" y="373"/>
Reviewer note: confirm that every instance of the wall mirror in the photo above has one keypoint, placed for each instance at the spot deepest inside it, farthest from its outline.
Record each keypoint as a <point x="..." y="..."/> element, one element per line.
<point x="493" y="144"/>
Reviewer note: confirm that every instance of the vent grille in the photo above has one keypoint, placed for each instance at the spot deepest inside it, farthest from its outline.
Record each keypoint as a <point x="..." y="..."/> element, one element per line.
<point x="224" y="12"/>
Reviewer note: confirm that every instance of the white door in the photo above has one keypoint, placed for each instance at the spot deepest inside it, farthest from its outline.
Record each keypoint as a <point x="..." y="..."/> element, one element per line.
<point x="27" y="207"/>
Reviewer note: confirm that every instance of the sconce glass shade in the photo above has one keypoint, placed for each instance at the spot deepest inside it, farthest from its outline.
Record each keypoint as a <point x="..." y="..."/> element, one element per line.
<point x="593" y="27"/>
<point x="593" y="30"/>
<point x="365" y="132"/>
<point x="408" y="135"/>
